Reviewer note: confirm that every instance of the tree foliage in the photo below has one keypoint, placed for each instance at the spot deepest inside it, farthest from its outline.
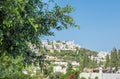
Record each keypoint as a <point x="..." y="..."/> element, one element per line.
<point x="118" y="57"/>
<point x="107" y="64"/>
<point x="70" y="75"/>
<point x="10" y="68"/>
<point x="25" y="21"/>
<point x="114" y="59"/>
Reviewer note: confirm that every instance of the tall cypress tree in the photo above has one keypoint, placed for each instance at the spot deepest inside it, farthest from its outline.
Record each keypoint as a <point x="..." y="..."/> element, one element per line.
<point x="114" y="58"/>
<point x="119" y="57"/>
<point x="107" y="64"/>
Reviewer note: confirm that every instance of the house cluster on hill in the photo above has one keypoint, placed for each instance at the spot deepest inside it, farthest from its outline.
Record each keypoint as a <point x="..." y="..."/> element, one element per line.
<point x="101" y="57"/>
<point x="67" y="45"/>
<point x="62" y="66"/>
<point x="59" y="45"/>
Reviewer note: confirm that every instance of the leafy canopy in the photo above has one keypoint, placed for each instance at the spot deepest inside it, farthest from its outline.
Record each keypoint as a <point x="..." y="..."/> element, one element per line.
<point x="23" y="21"/>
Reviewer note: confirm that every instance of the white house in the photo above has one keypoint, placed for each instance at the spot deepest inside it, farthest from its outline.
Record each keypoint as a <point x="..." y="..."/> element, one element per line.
<point x="61" y="63"/>
<point x="74" y="63"/>
<point x="59" y="69"/>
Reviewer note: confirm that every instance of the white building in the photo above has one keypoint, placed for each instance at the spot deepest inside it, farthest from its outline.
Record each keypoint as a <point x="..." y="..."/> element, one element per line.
<point x="99" y="75"/>
<point x="74" y="63"/>
<point x="61" y="63"/>
<point x="59" y="69"/>
<point x="47" y="57"/>
<point x="103" y="76"/>
<point x="102" y="54"/>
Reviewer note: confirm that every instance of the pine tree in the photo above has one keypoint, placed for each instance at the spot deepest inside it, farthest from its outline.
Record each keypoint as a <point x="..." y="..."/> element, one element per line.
<point x="114" y="58"/>
<point x="107" y="64"/>
<point x="119" y="57"/>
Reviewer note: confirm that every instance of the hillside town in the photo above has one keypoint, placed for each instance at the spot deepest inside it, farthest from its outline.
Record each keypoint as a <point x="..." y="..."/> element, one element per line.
<point x="89" y="73"/>
<point x="70" y="45"/>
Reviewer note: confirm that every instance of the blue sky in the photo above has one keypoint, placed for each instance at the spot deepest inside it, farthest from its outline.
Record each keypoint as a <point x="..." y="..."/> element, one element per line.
<point x="99" y="22"/>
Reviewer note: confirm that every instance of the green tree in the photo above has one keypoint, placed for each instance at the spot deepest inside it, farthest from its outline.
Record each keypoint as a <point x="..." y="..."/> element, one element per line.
<point x="96" y="77"/>
<point x="85" y="61"/>
<point x="114" y="59"/>
<point x="25" y="21"/>
<point x="10" y="68"/>
<point x="107" y="64"/>
<point x="119" y="57"/>
<point x="69" y="67"/>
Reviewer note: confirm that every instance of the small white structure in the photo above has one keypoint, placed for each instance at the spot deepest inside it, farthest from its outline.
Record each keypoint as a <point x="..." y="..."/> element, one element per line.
<point x="100" y="73"/>
<point x="74" y="63"/>
<point x="61" y="63"/>
<point x="31" y="70"/>
<point x="59" y="69"/>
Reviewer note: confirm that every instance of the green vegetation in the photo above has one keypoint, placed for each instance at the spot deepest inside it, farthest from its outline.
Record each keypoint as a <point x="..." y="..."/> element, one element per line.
<point x="71" y="74"/>
<point x="82" y="78"/>
<point x="96" y="77"/>
<point x="23" y="22"/>
<point x="80" y="55"/>
<point x="118" y="57"/>
<point x="113" y="60"/>
<point x="107" y="64"/>
<point x="71" y="55"/>
<point x="11" y="68"/>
